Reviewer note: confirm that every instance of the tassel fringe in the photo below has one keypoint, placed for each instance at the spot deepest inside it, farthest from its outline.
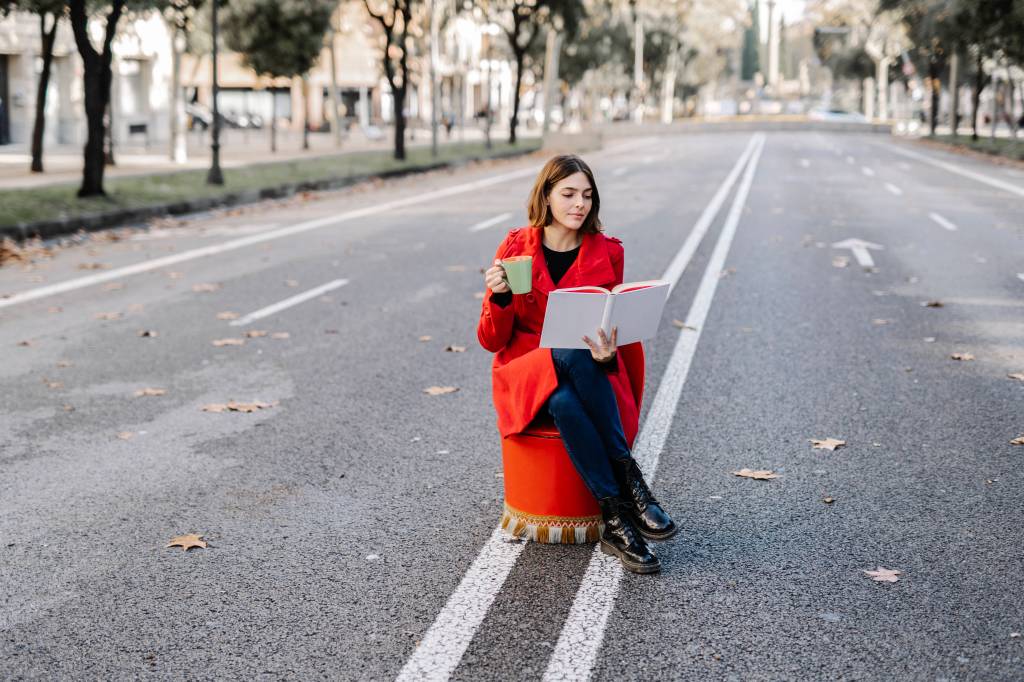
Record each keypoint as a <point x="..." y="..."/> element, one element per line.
<point x="565" y="530"/>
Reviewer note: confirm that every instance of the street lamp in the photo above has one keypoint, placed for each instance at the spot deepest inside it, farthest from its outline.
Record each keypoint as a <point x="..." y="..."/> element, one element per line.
<point x="215" y="177"/>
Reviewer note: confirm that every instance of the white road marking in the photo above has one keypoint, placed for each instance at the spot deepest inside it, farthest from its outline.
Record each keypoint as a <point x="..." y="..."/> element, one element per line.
<point x="288" y="302"/>
<point x="576" y="651"/>
<point x="231" y="245"/>
<point x="941" y="221"/>
<point x="621" y="170"/>
<point x="867" y="171"/>
<point x="443" y="645"/>
<point x="860" y="250"/>
<point x="483" y="225"/>
<point x="893" y="188"/>
<point x="952" y="168"/>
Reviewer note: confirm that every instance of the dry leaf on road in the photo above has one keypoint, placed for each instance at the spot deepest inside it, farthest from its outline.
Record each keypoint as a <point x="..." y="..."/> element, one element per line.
<point x="113" y="286"/>
<point x="682" y="325"/>
<point x="1019" y="376"/>
<point x="126" y="435"/>
<point x="887" y="575"/>
<point x="108" y="316"/>
<point x="829" y="500"/>
<point x="440" y="390"/>
<point x="150" y="391"/>
<point x="92" y="266"/>
<point x="227" y="315"/>
<point x="759" y="474"/>
<point x="931" y="304"/>
<point x="961" y="356"/>
<point x="840" y="261"/>
<point x="148" y="333"/>
<point x="280" y="335"/>
<point x="291" y="282"/>
<point x="827" y="444"/>
<point x="228" y="342"/>
<point x="880" y="321"/>
<point x="232" y="406"/>
<point x="456" y="349"/>
<point x="1019" y="440"/>
<point x="255" y="333"/>
<point x="205" y="286"/>
<point x="426" y="338"/>
<point x="187" y="542"/>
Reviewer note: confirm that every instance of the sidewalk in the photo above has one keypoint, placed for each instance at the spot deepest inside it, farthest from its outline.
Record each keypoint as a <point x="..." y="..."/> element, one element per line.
<point x="239" y="148"/>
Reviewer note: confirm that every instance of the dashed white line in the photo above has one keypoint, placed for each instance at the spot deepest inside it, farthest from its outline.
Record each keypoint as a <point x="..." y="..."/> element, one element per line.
<point x="980" y="177"/>
<point x="445" y="642"/>
<point x="576" y="651"/>
<point x="893" y="189"/>
<point x="483" y="225"/>
<point x="288" y="302"/>
<point x="941" y="221"/>
<point x="867" y="171"/>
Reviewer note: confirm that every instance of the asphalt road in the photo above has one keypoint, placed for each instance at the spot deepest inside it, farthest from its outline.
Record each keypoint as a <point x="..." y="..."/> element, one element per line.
<point x="342" y="519"/>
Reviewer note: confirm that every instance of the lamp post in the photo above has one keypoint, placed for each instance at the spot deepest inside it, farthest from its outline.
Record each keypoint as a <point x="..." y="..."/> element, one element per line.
<point x="215" y="177"/>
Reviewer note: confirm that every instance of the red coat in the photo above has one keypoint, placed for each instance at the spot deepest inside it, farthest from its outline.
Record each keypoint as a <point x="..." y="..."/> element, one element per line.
<point x="523" y="374"/>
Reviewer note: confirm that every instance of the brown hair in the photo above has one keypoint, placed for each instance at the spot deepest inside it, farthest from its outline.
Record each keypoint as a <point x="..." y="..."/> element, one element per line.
<point x="555" y="170"/>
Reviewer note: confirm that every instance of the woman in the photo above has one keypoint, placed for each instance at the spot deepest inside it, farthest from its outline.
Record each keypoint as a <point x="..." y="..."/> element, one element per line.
<point x="593" y="395"/>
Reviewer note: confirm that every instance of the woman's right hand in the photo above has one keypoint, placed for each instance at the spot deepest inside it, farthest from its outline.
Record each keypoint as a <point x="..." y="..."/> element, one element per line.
<point x="494" y="278"/>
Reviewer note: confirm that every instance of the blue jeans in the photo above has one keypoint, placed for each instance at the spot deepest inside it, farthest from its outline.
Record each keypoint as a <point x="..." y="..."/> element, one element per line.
<point x="587" y="418"/>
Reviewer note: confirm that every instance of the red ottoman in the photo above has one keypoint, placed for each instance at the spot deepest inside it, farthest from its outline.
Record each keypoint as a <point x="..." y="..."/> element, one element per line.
<point x="545" y="499"/>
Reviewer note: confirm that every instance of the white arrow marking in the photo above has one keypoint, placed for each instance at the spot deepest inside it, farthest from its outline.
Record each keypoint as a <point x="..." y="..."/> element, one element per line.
<point x="860" y="250"/>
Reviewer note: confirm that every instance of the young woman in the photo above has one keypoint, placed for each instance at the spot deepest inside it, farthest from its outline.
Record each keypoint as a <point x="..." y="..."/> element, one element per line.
<point x="590" y="393"/>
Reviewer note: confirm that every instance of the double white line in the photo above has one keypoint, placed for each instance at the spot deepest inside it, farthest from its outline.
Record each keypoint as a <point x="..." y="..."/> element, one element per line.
<point x="444" y="644"/>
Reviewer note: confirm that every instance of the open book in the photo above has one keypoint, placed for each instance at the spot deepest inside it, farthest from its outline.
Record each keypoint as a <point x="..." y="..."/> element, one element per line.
<point x="634" y="307"/>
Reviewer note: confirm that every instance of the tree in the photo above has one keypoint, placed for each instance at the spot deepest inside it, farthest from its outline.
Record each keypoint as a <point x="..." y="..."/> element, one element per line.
<point x="522" y="21"/>
<point x="278" y="38"/>
<point x="180" y="17"/>
<point x="395" y="18"/>
<point x="50" y="13"/>
<point x="751" y="46"/>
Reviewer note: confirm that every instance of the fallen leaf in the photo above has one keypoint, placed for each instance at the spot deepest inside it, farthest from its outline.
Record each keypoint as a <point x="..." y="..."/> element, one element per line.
<point x="232" y="406"/>
<point x="113" y="286"/>
<point x="679" y="324"/>
<point x="440" y="390"/>
<point x="136" y="308"/>
<point x="108" y="316"/>
<point x="280" y="335"/>
<point x="759" y="474"/>
<point x="726" y="272"/>
<point x="187" y="542"/>
<point x="880" y="321"/>
<point x="840" y="261"/>
<point x="150" y="391"/>
<point x="255" y="333"/>
<point x="227" y="315"/>
<point x="1019" y="376"/>
<point x="92" y="266"/>
<point x="69" y="408"/>
<point x="425" y="338"/>
<point x="828" y="443"/>
<point x="126" y="435"/>
<point x="886" y="575"/>
<point x="291" y="282"/>
<point x="228" y="342"/>
<point x="1019" y="440"/>
<point x="205" y="286"/>
<point x="456" y="349"/>
<point x="962" y="356"/>
<point x="829" y="500"/>
<point x="932" y="304"/>
<point x="53" y="384"/>
<point x="63" y="363"/>
<point x="175" y="275"/>
<point x="25" y="343"/>
<point x="55" y="309"/>
<point x="148" y="333"/>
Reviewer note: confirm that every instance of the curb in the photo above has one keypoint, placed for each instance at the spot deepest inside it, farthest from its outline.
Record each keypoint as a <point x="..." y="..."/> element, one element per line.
<point x="47" y="229"/>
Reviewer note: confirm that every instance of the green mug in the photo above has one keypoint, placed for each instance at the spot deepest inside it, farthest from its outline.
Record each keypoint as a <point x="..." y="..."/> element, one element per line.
<point x="518" y="273"/>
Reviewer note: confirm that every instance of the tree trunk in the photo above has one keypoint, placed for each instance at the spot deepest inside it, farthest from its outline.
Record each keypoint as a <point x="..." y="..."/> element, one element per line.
<point x="39" y="127"/>
<point x="933" y="116"/>
<point x="94" y="160"/>
<point x="273" y="120"/>
<point x="979" y="84"/>
<point x="514" y="122"/>
<point x="398" y="95"/>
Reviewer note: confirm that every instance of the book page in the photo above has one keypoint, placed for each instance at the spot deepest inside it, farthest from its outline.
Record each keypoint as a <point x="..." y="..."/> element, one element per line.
<point x="637" y="312"/>
<point x="642" y="284"/>
<point x="570" y="314"/>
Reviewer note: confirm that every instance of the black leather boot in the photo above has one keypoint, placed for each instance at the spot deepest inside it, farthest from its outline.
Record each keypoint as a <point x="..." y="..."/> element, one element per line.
<point x="620" y="538"/>
<point x="651" y="520"/>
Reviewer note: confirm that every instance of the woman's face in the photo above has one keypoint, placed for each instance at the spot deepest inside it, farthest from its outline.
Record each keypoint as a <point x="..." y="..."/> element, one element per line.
<point x="570" y="200"/>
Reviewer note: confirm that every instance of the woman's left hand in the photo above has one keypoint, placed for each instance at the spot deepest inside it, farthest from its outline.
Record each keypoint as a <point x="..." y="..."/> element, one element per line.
<point x="605" y="351"/>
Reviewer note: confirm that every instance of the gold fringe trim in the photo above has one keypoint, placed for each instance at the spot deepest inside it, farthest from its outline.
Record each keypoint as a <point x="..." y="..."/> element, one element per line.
<point x="566" y="530"/>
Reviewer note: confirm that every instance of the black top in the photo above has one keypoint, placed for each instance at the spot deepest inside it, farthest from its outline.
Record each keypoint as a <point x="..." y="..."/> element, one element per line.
<point x="558" y="263"/>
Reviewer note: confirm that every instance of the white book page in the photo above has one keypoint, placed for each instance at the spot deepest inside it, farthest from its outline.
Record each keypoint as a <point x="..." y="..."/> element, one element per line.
<point x="570" y="314"/>
<point x="637" y="313"/>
